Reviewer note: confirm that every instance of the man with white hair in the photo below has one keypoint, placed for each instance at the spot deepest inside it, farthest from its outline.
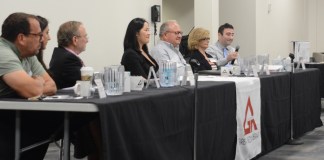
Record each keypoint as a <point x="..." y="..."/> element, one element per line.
<point x="168" y="47"/>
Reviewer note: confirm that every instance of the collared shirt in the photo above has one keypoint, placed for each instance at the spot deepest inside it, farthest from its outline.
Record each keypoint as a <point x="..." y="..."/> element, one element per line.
<point x="166" y="51"/>
<point x="10" y="61"/>
<point x="70" y="50"/>
<point x="217" y="52"/>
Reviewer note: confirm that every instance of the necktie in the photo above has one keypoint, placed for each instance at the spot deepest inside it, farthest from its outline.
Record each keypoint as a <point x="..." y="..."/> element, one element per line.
<point x="225" y="52"/>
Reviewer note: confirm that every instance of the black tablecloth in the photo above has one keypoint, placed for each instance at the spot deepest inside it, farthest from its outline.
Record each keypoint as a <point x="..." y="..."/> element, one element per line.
<point x="320" y="66"/>
<point x="275" y="110"/>
<point x="157" y="124"/>
<point x="306" y="101"/>
<point x="216" y="121"/>
<point x="151" y="124"/>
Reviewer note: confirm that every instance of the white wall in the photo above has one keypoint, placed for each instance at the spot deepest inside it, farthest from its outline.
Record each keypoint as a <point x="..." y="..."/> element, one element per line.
<point x="105" y="22"/>
<point x="180" y="10"/>
<point x="193" y="13"/>
<point x="316" y="24"/>
<point x="259" y="30"/>
<point x="285" y="22"/>
<point x="241" y="14"/>
<point x="256" y="30"/>
<point x="320" y="26"/>
<point x="207" y="16"/>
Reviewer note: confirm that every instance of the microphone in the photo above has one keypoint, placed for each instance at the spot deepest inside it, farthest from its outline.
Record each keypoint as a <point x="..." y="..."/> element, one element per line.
<point x="237" y="48"/>
<point x="292" y="57"/>
<point x="194" y="64"/>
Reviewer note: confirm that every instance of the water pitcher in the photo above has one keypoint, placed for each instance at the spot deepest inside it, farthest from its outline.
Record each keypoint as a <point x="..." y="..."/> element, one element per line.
<point x="114" y="80"/>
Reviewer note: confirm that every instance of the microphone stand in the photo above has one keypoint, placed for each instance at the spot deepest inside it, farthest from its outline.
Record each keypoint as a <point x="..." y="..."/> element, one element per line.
<point x="292" y="141"/>
<point x="195" y="115"/>
<point x="195" y="67"/>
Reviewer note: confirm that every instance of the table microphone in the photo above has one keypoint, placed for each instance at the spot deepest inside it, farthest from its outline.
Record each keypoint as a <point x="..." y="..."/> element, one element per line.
<point x="237" y="48"/>
<point x="195" y="64"/>
<point x="292" y="57"/>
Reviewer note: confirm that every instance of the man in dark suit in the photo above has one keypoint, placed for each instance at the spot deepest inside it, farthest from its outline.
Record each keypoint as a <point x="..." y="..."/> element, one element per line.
<point x="65" y="68"/>
<point x="65" y="64"/>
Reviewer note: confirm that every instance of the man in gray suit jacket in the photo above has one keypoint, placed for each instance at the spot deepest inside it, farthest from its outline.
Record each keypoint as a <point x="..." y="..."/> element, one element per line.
<point x="221" y="50"/>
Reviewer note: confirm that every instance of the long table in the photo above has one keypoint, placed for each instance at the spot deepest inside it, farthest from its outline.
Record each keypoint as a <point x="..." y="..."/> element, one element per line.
<point x="158" y="123"/>
<point x="319" y="66"/>
<point x="216" y="121"/>
<point x="275" y="110"/>
<point x="306" y="100"/>
<point x="20" y="106"/>
<point x="216" y="118"/>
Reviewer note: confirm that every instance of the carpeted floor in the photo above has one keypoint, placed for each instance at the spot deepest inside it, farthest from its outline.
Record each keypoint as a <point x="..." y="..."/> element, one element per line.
<point x="311" y="149"/>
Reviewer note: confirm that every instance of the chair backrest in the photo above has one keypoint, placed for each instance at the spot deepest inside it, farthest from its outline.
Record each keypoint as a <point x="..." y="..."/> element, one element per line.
<point x="183" y="47"/>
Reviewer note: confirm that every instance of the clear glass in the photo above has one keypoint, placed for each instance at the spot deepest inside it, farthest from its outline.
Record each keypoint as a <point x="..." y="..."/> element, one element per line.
<point x="168" y="73"/>
<point x="263" y="59"/>
<point x="114" y="80"/>
<point x="246" y="65"/>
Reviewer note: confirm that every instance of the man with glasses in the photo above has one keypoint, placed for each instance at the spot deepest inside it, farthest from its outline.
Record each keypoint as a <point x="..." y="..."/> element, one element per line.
<point x="168" y="47"/>
<point x="22" y="76"/>
<point x="222" y="51"/>
<point x="21" y="73"/>
<point x="65" y="64"/>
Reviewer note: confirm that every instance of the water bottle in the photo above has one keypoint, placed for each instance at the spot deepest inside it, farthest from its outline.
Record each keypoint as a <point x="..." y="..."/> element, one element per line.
<point x="168" y="73"/>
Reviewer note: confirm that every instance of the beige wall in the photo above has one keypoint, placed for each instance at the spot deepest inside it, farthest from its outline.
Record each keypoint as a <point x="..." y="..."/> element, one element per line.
<point x="106" y="23"/>
<point x="260" y="30"/>
<point x="320" y="26"/>
<point x="207" y="16"/>
<point x="256" y="30"/>
<point x="242" y="15"/>
<point x="180" y="10"/>
<point x="286" y="21"/>
<point x="316" y="24"/>
<point x="193" y="13"/>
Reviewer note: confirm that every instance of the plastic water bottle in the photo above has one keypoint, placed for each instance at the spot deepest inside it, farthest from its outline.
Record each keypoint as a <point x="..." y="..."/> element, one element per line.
<point x="168" y="73"/>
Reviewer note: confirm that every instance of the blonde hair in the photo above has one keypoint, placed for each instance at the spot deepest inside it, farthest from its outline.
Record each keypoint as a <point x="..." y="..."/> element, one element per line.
<point x="196" y="36"/>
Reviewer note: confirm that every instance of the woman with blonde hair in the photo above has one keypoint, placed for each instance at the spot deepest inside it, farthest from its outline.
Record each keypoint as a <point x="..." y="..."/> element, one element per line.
<point x="197" y="43"/>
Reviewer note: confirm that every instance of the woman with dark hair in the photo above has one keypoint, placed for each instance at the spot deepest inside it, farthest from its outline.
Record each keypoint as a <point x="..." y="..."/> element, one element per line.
<point x="43" y="22"/>
<point x="136" y="57"/>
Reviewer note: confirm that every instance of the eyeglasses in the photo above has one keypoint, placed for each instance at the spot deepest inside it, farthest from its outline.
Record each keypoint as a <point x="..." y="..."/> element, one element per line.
<point x="37" y="34"/>
<point x="85" y="36"/>
<point x="204" y="39"/>
<point x="176" y="32"/>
